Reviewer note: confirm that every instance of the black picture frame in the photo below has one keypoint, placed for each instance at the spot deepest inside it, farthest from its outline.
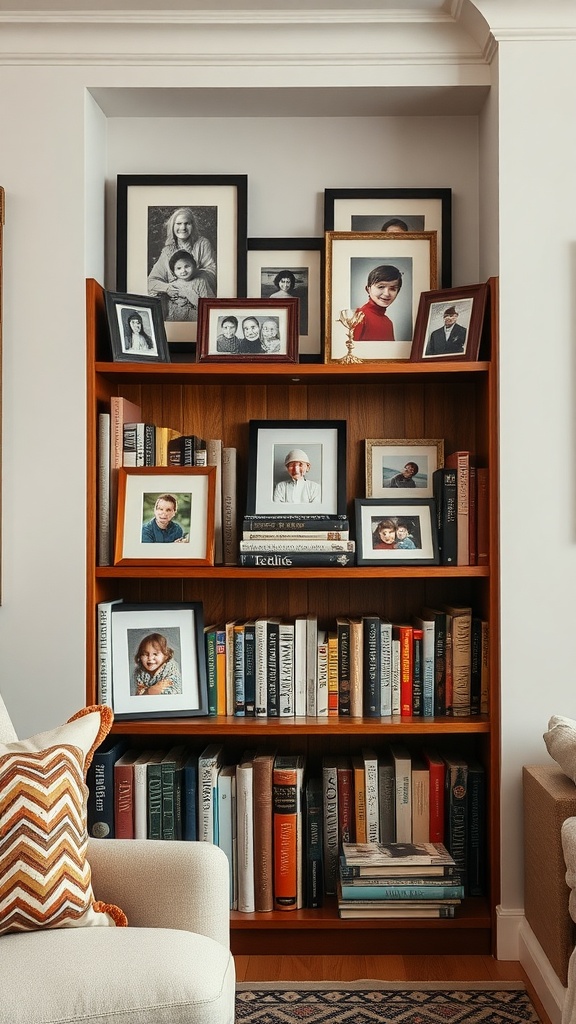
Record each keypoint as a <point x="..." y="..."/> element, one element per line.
<point x="303" y="259"/>
<point x="215" y="314"/>
<point x="324" y="444"/>
<point x="343" y="207"/>
<point x="182" y="628"/>
<point x="419" y="512"/>
<point x="122" y="308"/>
<point x="145" y="205"/>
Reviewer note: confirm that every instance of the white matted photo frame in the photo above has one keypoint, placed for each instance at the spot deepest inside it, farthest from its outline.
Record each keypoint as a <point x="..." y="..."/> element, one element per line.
<point x="381" y="276"/>
<point x="396" y="532"/>
<point x="163" y="220"/>
<point x="158" y="663"/>
<point x="165" y="516"/>
<point x="449" y="324"/>
<point x="248" y="330"/>
<point x="297" y="467"/>
<point x="393" y="210"/>
<point x="278" y="267"/>
<point x="136" y="328"/>
<point x="401" y="464"/>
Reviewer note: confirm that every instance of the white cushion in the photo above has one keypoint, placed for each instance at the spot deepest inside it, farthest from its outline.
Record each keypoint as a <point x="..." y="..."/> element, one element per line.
<point x="560" y="743"/>
<point x="125" y="975"/>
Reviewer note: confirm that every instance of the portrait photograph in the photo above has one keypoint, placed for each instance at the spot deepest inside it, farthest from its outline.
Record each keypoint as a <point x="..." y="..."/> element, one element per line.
<point x="291" y="267"/>
<point x="136" y="328"/>
<point x="396" y="532"/>
<point x="449" y="324"/>
<point x="248" y="330"/>
<point x="402" y="465"/>
<point x="165" y="516"/>
<point x="381" y="277"/>
<point x="181" y="238"/>
<point x="158" y="667"/>
<point x="297" y="467"/>
<point x="395" y="210"/>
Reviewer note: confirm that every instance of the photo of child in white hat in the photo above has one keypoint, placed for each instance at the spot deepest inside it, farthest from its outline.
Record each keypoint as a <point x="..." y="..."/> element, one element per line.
<point x="298" y="489"/>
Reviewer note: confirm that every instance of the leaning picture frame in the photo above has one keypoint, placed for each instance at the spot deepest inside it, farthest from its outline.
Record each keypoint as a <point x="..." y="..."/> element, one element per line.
<point x="279" y="267"/>
<point x="248" y="330"/>
<point x="136" y="327"/>
<point x="395" y="209"/>
<point x="160" y="215"/>
<point x="157" y="653"/>
<point x="165" y="516"/>
<point x="318" y="490"/>
<point x="402" y="465"/>
<point x="449" y="324"/>
<point x="359" y="261"/>
<point x="378" y="525"/>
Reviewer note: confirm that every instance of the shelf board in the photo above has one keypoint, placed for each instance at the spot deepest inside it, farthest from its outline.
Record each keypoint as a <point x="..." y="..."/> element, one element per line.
<point x="231" y="572"/>
<point x="229" y="725"/>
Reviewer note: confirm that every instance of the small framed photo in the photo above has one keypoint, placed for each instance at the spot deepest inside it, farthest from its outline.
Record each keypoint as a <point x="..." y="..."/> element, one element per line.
<point x="248" y="330"/>
<point x="395" y="210"/>
<point x="136" y="328"/>
<point x="297" y="467"/>
<point x="396" y="532"/>
<point x="158" y="664"/>
<point x="181" y="237"/>
<point x="449" y="324"/>
<point x="402" y="464"/>
<point x="284" y="267"/>
<point x="373" y="287"/>
<point x="166" y="516"/>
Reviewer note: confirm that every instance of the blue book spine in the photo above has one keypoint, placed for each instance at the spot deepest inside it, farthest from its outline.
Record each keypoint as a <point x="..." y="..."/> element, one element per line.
<point x="100" y="782"/>
<point x="190" y="799"/>
<point x="250" y="668"/>
<point x="238" y="672"/>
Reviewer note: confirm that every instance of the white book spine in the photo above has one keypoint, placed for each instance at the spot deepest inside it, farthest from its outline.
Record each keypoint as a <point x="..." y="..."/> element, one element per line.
<point x="286" y="673"/>
<point x="403" y="788"/>
<point x="207" y="781"/>
<point x="385" y="668"/>
<point x="322" y="675"/>
<point x="371" y="782"/>
<point x="245" y="837"/>
<point x="105" y="651"/>
<point x="300" y="545"/>
<point x="140" y="800"/>
<point x="395" y="677"/>
<point x="300" y="667"/>
<point x="227" y="826"/>
<point x="261" y="700"/>
<point x="311" y="664"/>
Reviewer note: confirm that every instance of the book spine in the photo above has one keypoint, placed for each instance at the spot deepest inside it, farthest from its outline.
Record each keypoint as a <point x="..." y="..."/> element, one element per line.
<point x="129" y="431"/>
<point x="359" y="800"/>
<point x="154" y="801"/>
<point x="475" y="665"/>
<point x="279" y="560"/>
<point x="346" y="830"/>
<point x="440" y="664"/>
<point x="300" y="681"/>
<point x="285" y="809"/>
<point x="445" y="494"/>
<point x="485" y="670"/>
<point x="294" y="524"/>
<point x="482" y="516"/>
<point x="190" y="800"/>
<point x="395" y="674"/>
<point x="238" y="669"/>
<point x="100" y="781"/>
<point x="207" y="771"/>
<point x="330" y="836"/>
<point x="461" y="661"/>
<point x="316" y="546"/>
<point x="460" y="461"/>
<point x="229" y="506"/>
<point x="123" y="801"/>
<point x="263" y="766"/>
<point x="371" y="786"/>
<point x="245" y="833"/>
<point x="272" y="669"/>
<point x="221" y="671"/>
<point x="386" y="801"/>
<point x="456" y="813"/>
<point x="311" y="664"/>
<point x="343" y="655"/>
<point x="296" y="538"/>
<point x="168" y="772"/>
<point x="418" y="674"/>
<point x="250" y="668"/>
<point x="406" y="670"/>
<point x="322" y="675"/>
<point x="227" y="828"/>
<point x="332" y="674"/>
<point x="385" y="668"/>
<point x="476" y="825"/>
<point x="286" y="670"/>
<point x="420" y="802"/>
<point x="140" y="784"/>
<point x="356" y="667"/>
<point x="371" y="668"/>
<point x="105" y="651"/>
<point x="403" y="789"/>
<point x="472" y="517"/>
<point x="210" y="645"/>
<point x="437" y="771"/>
<point x="314" y="858"/>
<point x="403" y="892"/>
<point x="149" y="444"/>
<point x="261" y="668"/>
<point x="214" y="457"/>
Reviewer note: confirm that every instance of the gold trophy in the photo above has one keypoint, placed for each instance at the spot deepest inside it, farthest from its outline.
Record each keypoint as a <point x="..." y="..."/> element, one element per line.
<point x="350" y="318"/>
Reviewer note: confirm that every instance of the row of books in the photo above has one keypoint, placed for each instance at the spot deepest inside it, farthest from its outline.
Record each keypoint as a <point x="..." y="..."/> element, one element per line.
<point x="284" y="541"/>
<point x="125" y="440"/>
<point x="391" y="880"/>
<point x="282" y="830"/>
<point x="460" y="490"/>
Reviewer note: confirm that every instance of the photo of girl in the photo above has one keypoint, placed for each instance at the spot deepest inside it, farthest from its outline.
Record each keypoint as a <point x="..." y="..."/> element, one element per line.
<point x="156" y="670"/>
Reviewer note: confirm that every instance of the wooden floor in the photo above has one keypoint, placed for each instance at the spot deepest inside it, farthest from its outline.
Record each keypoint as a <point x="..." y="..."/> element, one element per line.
<point x="384" y="968"/>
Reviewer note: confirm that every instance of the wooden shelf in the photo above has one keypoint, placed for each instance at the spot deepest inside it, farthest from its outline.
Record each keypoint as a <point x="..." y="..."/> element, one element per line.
<point x="266" y="728"/>
<point x="230" y="572"/>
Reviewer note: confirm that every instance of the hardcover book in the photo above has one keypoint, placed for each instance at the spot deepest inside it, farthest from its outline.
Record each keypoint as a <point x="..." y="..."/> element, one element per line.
<point x="287" y="809"/>
<point x="359" y="775"/>
<point x="227" y="839"/>
<point x="262" y="776"/>
<point x="314" y="860"/>
<point x="460" y="461"/>
<point x="245" y="832"/>
<point x="437" y="770"/>
<point x="190" y="798"/>
<point x="403" y="784"/>
<point x="438" y="617"/>
<point x="100" y="782"/>
<point x="370" y="758"/>
<point x="104" y="641"/>
<point x="445" y="496"/>
<point x="229" y="507"/>
<point x="461" y="657"/>
<point x="456" y="809"/>
<point x="284" y="560"/>
<point x="371" y="665"/>
<point x="209" y="763"/>
<point x="476" y="830"/>
<point x="420" y="801"/>
<point x="395" y="855"/>
<point x="331" y="831"/>
<point x="124" y="795"/>
<point x="386" y="797"/>
<point x="343" y="642"/>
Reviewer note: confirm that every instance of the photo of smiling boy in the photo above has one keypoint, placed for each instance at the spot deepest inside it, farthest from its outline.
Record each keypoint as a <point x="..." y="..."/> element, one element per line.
<point x="162" y="529"/>
<point x="383" y="285"/>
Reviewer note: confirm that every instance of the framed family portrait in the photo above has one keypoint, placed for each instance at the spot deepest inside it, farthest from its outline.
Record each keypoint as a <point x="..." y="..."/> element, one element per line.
<point x="158" y="663"/>
<point x="297" y="467"/>
<point x="404" y="465"/>
<point x="449" y="324"/>
<point x="398" y="531"/>
<point x="181" y="237"/>
<point x="165" y="515"/>
<point x="395" y="210"/>
<point x="379" y="277"/>
<point x="284" y="267"/>
<point x="248" y="330"/>
<point x="136" y="328"/>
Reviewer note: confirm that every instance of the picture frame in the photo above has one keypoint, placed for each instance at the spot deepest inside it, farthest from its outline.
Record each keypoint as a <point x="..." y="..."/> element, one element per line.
<point x="147" y="206"/>
<point x="146" y="342"/>
<point x="188" y="494"/>
<point x="351" y="257"/>
<point x="248" y="330"/>
<point x="142" y="634"/>
<point x="322" y="442"/>
<point x="416" y="518"/>
<point x="303" y="260"/>
<point x="419" y="209"/>
<point x="387" y="459"/>
<point x="460" y="309"/>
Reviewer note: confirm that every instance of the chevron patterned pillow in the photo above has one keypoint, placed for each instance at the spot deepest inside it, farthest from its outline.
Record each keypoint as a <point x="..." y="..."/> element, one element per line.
<point x="45" y="879"/>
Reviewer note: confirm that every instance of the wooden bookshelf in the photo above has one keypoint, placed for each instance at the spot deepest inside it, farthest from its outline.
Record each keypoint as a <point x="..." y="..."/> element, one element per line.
<point x="456" y="401"/>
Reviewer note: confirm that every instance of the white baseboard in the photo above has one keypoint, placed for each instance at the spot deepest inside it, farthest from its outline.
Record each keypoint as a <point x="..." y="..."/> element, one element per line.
<point x="515" y="940"/>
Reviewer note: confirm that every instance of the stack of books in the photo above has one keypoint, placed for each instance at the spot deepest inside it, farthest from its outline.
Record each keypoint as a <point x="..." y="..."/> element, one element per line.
<point x="397" y="880"/>
<point x="294" y="540"/>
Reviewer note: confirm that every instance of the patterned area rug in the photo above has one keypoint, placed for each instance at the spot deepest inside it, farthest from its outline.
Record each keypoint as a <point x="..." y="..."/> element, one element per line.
<point x="374" y="1002"/>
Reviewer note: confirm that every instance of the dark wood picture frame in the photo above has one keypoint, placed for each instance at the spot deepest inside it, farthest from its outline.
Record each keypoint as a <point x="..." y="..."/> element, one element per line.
<point x="461" y="308"/>
<point x="419" y="512"/>
<point x="250" y="316"/>
<point x="122" y="308"/>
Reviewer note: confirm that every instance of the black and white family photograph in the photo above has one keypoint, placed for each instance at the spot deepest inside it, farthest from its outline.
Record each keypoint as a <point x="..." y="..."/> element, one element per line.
<point x="251" y="330"/>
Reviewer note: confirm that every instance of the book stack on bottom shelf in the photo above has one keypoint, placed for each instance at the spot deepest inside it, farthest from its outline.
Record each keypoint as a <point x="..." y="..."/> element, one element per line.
<point x="309" y="540"/>
<point x="398" y="880"/>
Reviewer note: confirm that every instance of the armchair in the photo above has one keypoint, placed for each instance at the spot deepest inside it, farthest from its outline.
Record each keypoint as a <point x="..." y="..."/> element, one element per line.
<point x="172" y="965"/>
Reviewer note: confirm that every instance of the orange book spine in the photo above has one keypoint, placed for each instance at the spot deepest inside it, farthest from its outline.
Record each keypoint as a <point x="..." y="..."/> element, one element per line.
<point x="285" y="804"/>
<point x="359" y="799"/>
<point x="221" y="672"/>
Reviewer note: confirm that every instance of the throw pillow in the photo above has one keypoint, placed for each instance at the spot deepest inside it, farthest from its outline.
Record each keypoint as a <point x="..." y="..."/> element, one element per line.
<point x="560" y="743"/>
<point x="45" y="879"/>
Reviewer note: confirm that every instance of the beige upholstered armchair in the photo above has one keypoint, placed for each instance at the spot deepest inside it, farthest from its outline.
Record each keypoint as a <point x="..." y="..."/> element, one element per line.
<point x="171" y="965"/>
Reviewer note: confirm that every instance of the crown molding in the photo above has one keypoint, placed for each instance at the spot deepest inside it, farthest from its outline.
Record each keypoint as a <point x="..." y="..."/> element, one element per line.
<point x="397" y="16"/>
<point x="244" y="59"/>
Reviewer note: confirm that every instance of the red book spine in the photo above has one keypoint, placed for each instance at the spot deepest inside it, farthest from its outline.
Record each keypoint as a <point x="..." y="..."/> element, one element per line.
<point x="437" y="770"/>
<point x="406" y="671"/>
<point x="124" y="801"/>
<point x="346" y="804"/>
<point x="285" y="804"/>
